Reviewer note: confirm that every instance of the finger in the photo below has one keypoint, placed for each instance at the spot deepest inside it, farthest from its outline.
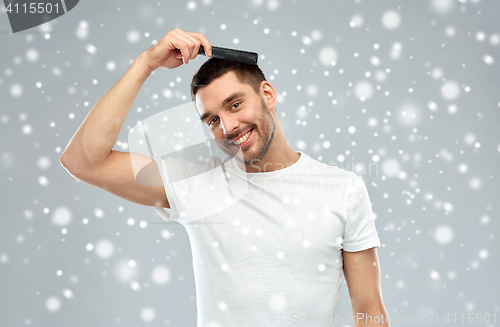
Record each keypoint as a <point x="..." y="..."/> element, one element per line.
<point x="197" y="44"/>
<point x="187" y="45"/>
<point x="181" y="44"/>
<point x="181" y="47"/>
<point x="207" y="46"/>
<point x="178" y="54"/>
<point x="194" y="45"/>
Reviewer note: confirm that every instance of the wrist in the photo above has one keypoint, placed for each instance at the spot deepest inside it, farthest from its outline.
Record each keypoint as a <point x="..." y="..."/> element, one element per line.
<point x="143" y="64"/>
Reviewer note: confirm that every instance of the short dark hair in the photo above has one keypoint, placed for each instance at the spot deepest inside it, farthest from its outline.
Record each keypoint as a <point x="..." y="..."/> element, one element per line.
<point x="214" y="68"/>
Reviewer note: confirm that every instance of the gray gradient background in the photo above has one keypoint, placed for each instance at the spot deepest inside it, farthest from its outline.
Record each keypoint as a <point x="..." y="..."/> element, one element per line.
<point x="433" y="148"/>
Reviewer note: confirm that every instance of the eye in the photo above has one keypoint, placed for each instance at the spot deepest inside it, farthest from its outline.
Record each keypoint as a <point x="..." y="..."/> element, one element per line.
<point x="237" y="103"/>
<point x="210" y="122"/>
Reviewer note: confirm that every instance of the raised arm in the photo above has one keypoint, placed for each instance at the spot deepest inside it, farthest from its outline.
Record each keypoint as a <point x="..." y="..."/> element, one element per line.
<point x="89" y="155"/>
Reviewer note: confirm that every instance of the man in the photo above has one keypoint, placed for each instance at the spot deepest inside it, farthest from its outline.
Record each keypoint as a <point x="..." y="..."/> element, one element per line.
<point x="274" y="258"/>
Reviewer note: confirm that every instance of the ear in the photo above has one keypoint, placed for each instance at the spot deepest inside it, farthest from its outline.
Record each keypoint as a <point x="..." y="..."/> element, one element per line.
<point x="269" y="94"/>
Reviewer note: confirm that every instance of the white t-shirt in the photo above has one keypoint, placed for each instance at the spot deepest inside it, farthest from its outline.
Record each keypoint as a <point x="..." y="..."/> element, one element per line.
<point x="274" y="256"/>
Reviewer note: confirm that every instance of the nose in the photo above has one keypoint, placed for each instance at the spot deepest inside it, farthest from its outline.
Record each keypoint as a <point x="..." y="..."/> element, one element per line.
<point x="229" y="124"/>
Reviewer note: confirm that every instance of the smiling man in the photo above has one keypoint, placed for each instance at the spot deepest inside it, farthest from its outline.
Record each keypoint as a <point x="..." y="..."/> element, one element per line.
<point x="276" y="256"/>
<point x="236" y="102"/>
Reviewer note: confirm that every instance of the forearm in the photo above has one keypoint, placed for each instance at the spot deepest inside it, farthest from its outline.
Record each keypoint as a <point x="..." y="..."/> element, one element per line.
<point x="96" y="136"/>
<point x="371" y="317"/>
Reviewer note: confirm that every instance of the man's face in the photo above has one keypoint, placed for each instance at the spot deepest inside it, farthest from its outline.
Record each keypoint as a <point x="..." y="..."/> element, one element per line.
<point x="237" y="117"/>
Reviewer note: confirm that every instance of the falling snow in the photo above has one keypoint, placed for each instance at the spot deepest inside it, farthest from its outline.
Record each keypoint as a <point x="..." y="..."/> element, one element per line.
<point x="412" y="110"/>
<point x="391" y="19"/>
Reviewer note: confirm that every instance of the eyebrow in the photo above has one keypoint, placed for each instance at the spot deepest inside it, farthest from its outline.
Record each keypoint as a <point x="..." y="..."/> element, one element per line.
<point x="226" y="100"/>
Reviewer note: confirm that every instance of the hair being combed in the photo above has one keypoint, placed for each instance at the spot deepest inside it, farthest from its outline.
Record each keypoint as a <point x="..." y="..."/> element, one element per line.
<point x="214" y="68"/>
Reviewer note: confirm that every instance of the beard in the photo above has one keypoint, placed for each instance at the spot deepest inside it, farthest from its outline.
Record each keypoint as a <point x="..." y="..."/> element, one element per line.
<point x="262" y="142"/>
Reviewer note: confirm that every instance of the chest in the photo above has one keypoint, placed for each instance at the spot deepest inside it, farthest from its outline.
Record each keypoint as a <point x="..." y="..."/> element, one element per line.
<point x="289" y="224"/>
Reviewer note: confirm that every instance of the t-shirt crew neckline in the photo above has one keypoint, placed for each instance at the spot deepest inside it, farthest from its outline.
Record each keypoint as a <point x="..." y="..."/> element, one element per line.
<point x="282" y="171"/>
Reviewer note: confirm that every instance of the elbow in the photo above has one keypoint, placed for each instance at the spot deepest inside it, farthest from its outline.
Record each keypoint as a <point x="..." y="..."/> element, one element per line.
<point x="69" y="164"/>
<point x="65" y="161"/>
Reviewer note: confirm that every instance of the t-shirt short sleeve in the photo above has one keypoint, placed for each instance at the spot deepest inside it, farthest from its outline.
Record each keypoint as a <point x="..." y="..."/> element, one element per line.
<point x="360" y="233"/>
<point x="169" y="214"/>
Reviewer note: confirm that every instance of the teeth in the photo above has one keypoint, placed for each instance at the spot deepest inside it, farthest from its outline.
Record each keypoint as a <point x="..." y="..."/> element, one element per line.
<point x="242" y="139"/>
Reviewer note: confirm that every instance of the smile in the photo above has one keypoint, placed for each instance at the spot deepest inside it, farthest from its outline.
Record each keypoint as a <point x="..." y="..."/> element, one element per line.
<point x="243" y="140"/>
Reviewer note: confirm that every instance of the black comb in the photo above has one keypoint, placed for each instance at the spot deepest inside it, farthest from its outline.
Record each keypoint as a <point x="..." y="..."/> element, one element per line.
<point x="233" y="55"/>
